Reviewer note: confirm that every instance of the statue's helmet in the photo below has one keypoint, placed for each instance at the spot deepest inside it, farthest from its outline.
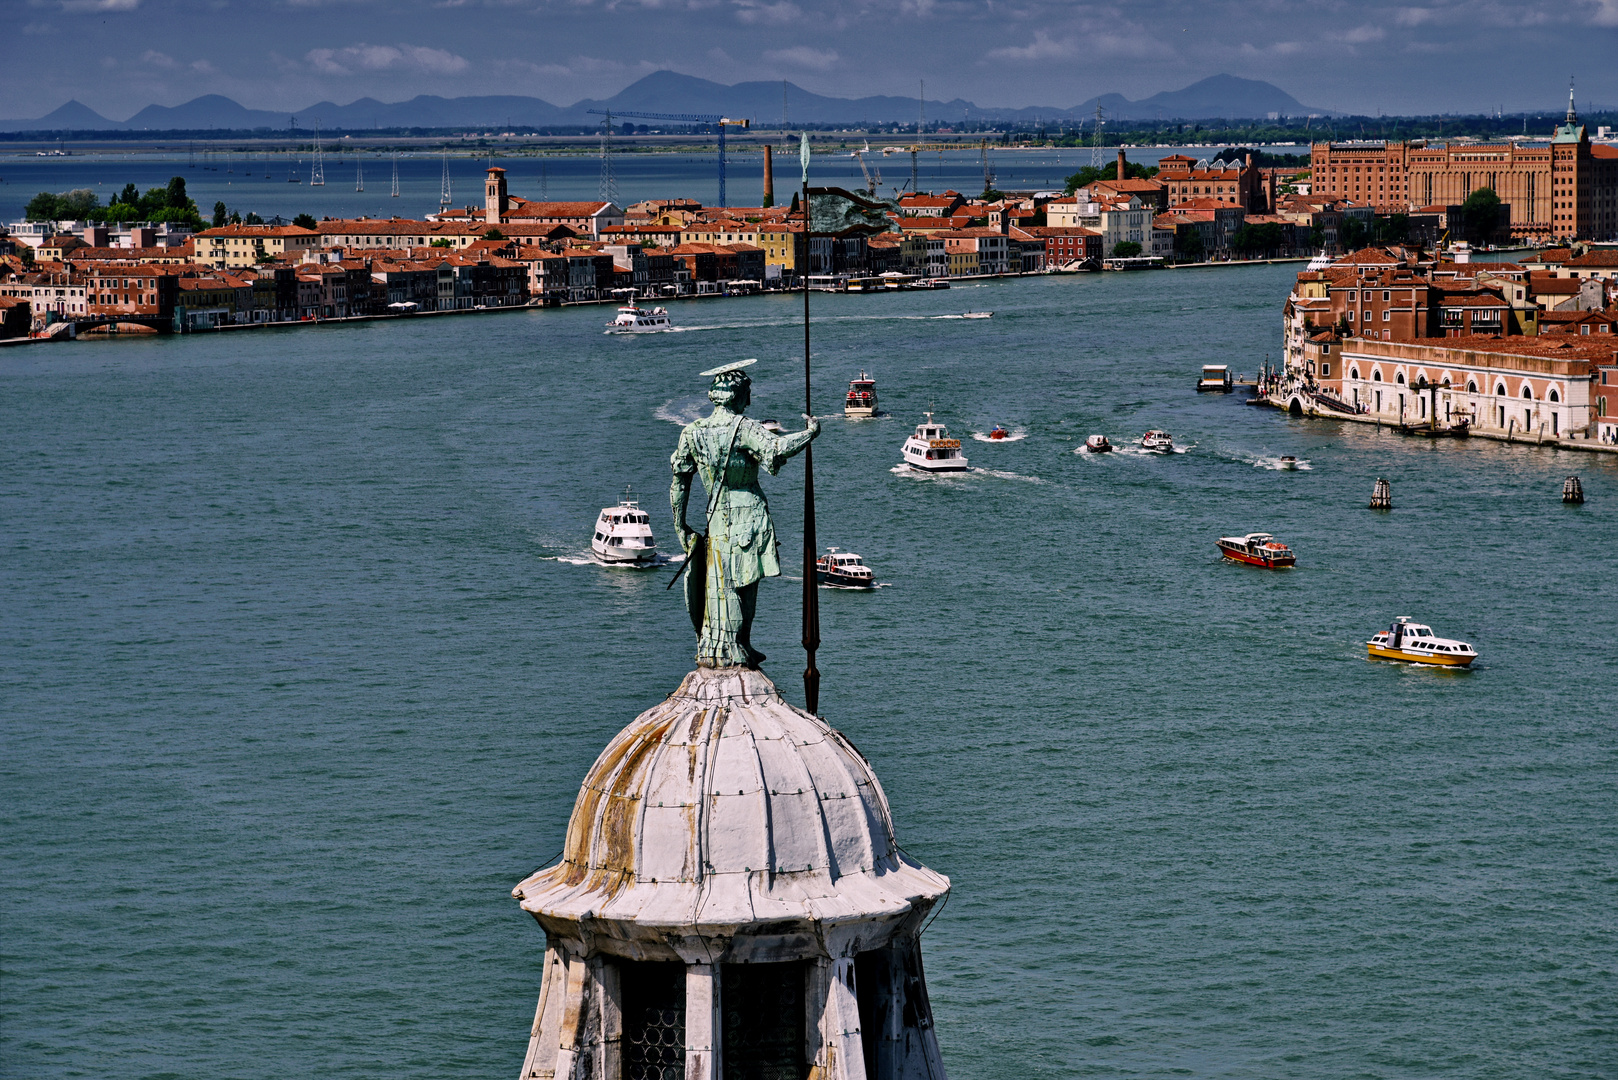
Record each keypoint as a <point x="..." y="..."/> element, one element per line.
<point x="731" y="386"/>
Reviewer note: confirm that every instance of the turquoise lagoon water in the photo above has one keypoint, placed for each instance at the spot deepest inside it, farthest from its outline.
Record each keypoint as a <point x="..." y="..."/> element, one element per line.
<point x="302" y="669"/>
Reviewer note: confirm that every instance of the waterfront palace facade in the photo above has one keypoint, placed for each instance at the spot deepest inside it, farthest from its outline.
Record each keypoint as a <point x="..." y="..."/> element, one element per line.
<point x="1504" y="350"/>
<point x="1564" y="189"/>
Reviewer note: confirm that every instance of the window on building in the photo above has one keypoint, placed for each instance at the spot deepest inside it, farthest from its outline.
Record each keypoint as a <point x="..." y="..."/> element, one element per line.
<point x="764" y="1021"/>
<point x="653" y="1019"/>
<point x="1528" y="392"/>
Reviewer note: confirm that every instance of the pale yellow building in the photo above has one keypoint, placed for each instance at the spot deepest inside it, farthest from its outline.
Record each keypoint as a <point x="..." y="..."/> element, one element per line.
<point x="247" y="245"/>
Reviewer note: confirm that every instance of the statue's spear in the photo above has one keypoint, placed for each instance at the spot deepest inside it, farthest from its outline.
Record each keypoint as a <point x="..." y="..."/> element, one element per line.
<point x="811" y="590"/>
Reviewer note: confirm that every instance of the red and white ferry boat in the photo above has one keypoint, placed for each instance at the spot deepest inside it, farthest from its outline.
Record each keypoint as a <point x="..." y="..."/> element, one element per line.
<point x="1257" y="549"/>
<point x="861" y="401"/>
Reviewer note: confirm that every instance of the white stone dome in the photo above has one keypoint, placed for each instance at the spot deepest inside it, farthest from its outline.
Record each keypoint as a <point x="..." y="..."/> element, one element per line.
<point x="724" y="807"/>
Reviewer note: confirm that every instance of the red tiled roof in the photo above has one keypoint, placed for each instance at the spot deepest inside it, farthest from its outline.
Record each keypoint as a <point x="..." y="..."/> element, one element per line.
<point x="562" y="209"/>
<point x="287" y="231"/>
<point x="1596" y="258"/>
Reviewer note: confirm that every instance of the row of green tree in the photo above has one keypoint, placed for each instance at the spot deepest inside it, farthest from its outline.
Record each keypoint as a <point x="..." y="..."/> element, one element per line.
<point x="159" y="204"/>
<point x="224" y="215"/>
<point x="1090" y="174"/>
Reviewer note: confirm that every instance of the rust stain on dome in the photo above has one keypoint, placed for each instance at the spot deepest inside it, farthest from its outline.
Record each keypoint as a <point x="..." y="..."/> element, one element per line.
<point x="617" y="778"/>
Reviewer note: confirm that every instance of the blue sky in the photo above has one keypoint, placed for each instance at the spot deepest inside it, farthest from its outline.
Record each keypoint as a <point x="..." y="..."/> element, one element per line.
<point x="1397" y="57"/>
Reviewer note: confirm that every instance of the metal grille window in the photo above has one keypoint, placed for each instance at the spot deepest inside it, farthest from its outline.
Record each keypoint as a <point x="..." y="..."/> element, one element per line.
<point x="763" y="1021"/>
<point x="654" y="1020"/>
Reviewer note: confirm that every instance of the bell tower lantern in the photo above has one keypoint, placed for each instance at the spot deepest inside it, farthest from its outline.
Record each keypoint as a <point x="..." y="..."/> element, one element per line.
<point x="731" y="904"/>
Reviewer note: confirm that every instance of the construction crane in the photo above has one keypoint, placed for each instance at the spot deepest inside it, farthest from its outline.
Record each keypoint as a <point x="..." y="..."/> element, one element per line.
<point x="722" y="122"/>
<point x="915" y="149"/>
<point x="870" y="182"/>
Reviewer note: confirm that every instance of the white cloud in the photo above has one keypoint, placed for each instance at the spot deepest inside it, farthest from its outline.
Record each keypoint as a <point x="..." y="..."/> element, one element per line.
<point x="804" y="57"/>
<point x="1606" y="13"/>
<point x="1416" y="16"/>
<point x="1362" y="35"/>
<point x="1043" y="47"/>
<point x="754" y="13"/>
<point x="34" y="29"/>
<point x="100" y="5"/>
<point x="361" y="57"/>
<point x="157" y="59"/>
<point x="1275" y="48"/>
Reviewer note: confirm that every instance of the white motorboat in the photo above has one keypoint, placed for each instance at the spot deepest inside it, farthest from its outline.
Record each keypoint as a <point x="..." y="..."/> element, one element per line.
<point x="861" y="400"/>
<point x="1157" y="441"/>
<point x="978" y="315"/>
<point x="623" y="535"/>
<point x="639" y="320"/>
<point x="930" y="449"/>
<point x="1097" y="444"/>
<point x="843" y="570"/>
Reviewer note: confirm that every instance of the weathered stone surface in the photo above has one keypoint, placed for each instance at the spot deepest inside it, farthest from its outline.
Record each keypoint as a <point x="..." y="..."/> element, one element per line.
<point x="725" y="826"/>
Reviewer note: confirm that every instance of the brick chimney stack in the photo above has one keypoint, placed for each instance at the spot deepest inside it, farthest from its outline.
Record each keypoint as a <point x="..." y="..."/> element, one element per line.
<point x="769" y="177"/>
<point x="1121" y="169"/>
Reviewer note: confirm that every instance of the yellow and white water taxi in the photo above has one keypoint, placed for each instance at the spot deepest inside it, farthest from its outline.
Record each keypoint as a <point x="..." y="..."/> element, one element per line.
<point x="1414" y="643"/>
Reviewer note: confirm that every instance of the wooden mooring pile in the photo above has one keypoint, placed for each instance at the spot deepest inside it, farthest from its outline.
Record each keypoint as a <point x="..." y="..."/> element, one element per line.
<point x="1382" y="495"/>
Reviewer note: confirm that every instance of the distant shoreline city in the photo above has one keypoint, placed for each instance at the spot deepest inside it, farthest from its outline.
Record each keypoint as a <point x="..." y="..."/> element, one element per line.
<point x="1398" y="219"/>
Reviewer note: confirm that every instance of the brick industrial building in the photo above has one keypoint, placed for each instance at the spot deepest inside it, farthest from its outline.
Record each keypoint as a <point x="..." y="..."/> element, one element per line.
<point x="1565" y="188"/>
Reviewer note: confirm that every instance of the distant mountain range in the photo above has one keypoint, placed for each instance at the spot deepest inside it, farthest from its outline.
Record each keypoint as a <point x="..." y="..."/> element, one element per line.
<point x="1222" y="96"/>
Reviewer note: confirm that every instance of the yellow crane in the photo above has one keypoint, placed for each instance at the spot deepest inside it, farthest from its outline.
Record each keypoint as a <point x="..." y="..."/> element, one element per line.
<point x="939" y="147"/>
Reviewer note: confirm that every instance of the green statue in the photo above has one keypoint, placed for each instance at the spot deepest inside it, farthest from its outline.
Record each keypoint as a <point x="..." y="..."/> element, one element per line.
<point x="724" y="567"/>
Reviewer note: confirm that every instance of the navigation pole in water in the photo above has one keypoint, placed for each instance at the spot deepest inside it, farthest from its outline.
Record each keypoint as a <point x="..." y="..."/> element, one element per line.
<point x="811" y="589"/>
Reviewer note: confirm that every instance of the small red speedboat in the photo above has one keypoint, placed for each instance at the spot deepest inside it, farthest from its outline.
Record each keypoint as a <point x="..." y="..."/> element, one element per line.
<point x="998" y="432"/>
<point x="1257" y="549"/>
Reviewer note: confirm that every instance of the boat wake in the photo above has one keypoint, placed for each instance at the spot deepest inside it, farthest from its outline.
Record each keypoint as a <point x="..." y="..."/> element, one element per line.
<point x="902" y="469"/>
<point x="766" y="323"/>
<point x="1275" y="464"/>
<point x="1002" y="474"/>
<point x="1139" y="451"/>
<point x="1016" y="435"/>
<point x="588" y="558"/>
<point x="680" y="411"/>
